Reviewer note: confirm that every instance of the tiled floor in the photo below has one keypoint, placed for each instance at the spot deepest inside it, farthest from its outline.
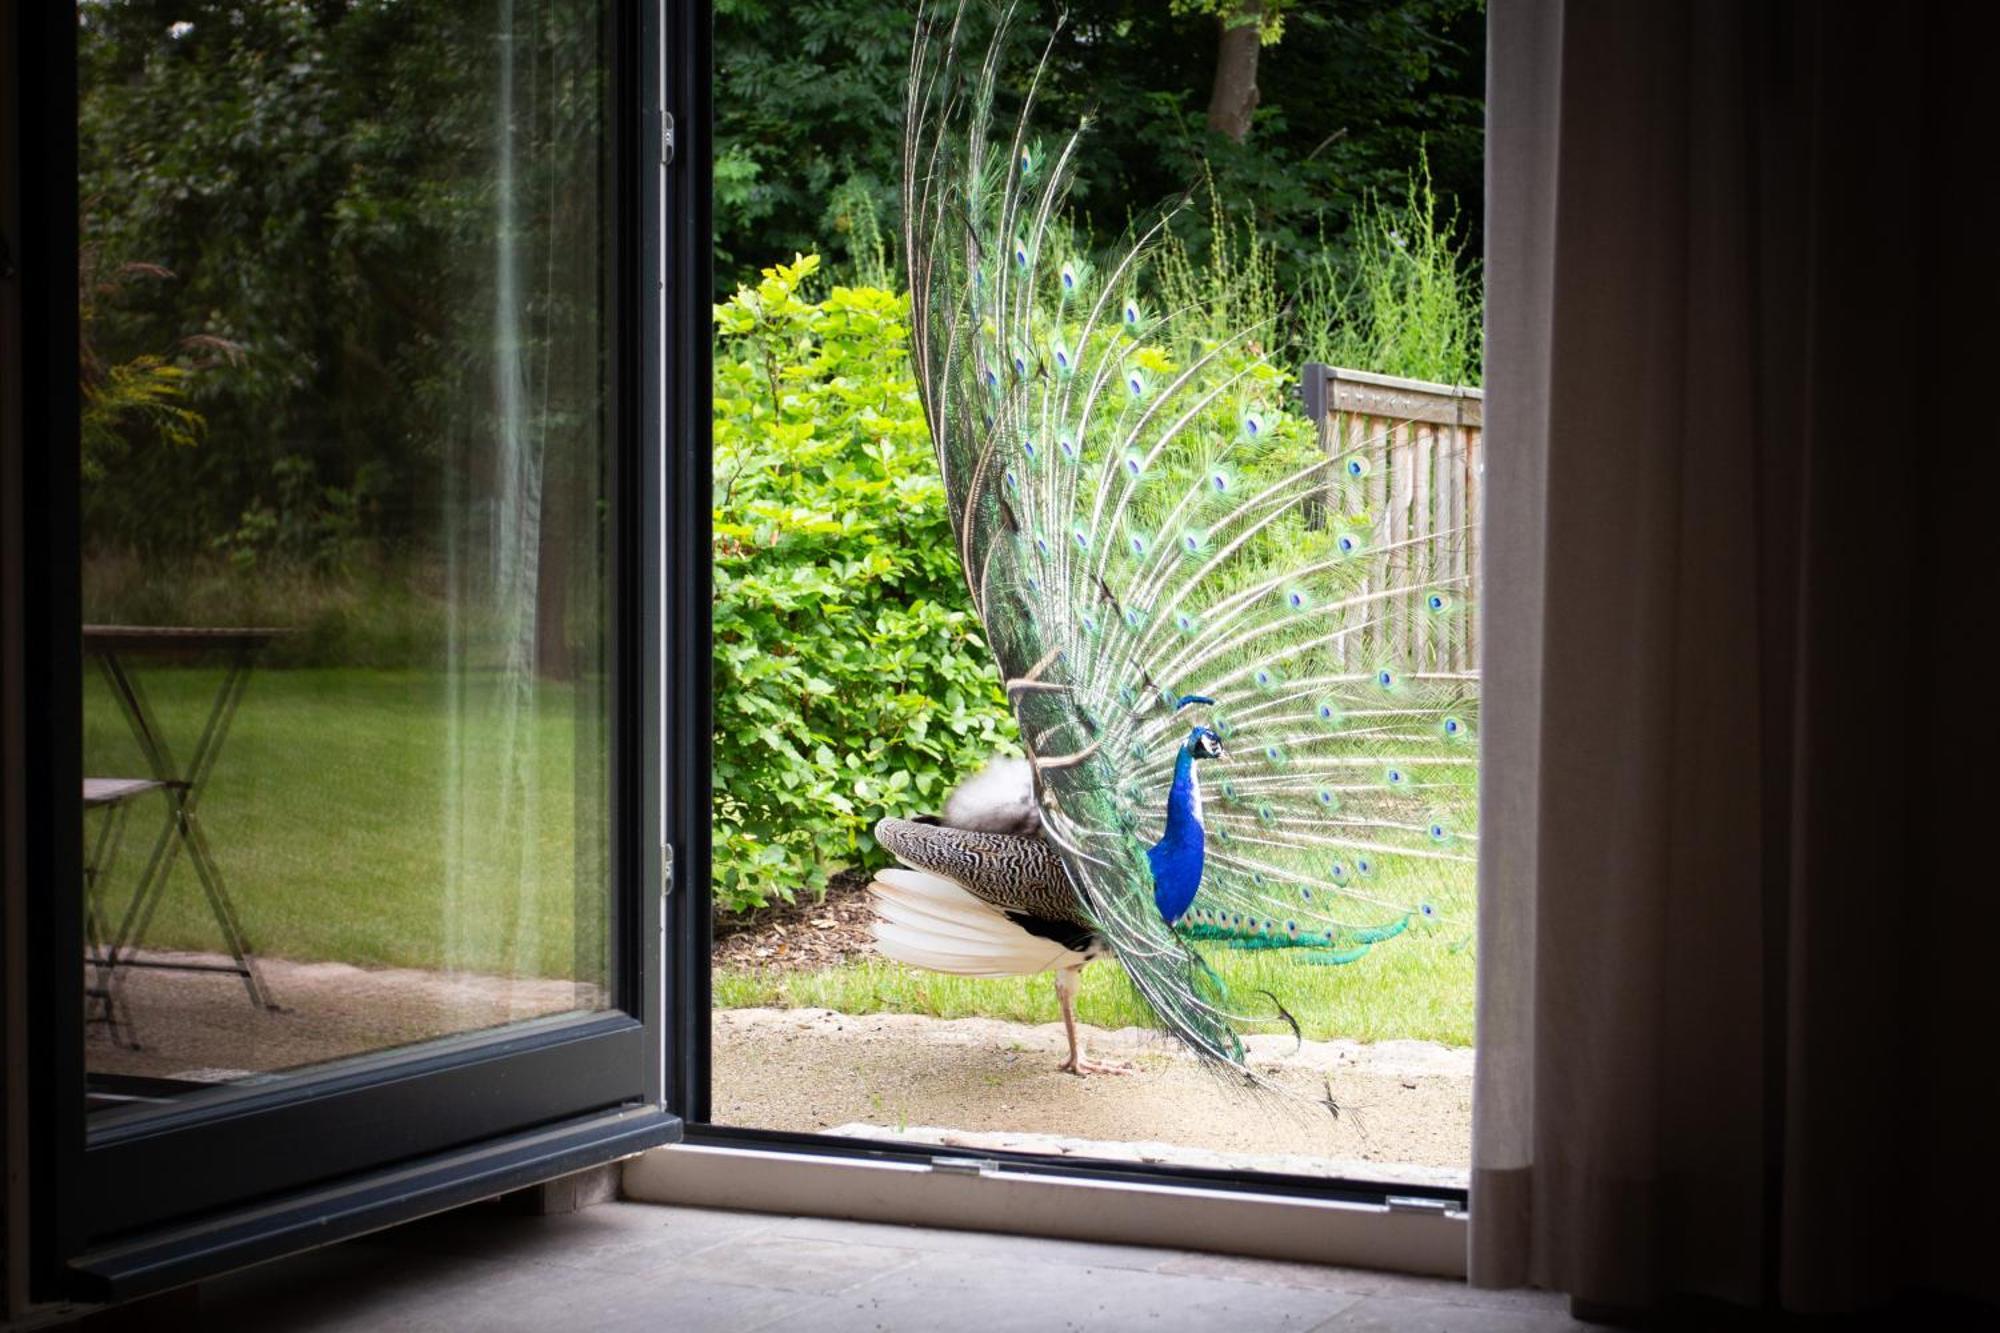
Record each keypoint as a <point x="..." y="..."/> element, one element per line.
<point x="642" y="1266"/>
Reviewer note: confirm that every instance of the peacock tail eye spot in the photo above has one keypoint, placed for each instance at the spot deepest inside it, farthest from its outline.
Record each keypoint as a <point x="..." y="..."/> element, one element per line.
<point x="1451" y="726"/>
<point x="1020" y="364"/>
<point x="1132" y="314"/>
<point x="1328" y="713"/>
<point x="1328" y="798"/>
<point x="1395" y="777"/>
<point x="1275" y="754"/>
<point x="1068" y="447"/>
<point x="1028" y="447"/>
<point x="1386" y="679"/>
<point x="1228" y="789"/>
<point x="1219" y="482"/>
<point x="1439" y="833"/>
<point x="1186" y="622"/>
<point x="1357" y="466"/>
<point x="1292" y="927"/>
<point x="1089" y="625"/>
<point x="1305" y="893"/>
<point x="1437" y="601"/>
<point x="1338" y="872"/>
<point x="1034" y="584"/>
<point x="1253" y="425"/>
<point x="1265" y="814"/>
<point x="1062" y="357"/>
<point x="1364" y="865"/>
<point x="1136" y="384"/>
<point x="1082" y="539"/>
<point x="1021" y="253"/>
<point x="1013" y="482"/>
<point x="1042" y="545"/>
<point x="1138" y="749"/>
<point x="1346" y="544"/>
<point x="1126" y="694"/>
<point x="1135" y="466"/>
<point x="1136" y="544"/>
<point x="1429" y="911"/>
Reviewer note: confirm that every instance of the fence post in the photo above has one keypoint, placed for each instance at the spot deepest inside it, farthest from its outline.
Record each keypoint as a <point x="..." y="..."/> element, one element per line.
<point x="1314" y="383"/>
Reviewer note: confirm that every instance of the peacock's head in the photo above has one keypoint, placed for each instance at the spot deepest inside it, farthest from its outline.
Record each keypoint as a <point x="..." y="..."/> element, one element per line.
<point x="1204" y="744"/>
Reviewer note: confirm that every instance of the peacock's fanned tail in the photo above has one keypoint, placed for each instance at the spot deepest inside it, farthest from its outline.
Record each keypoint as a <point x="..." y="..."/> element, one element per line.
<point x="1138" y="525"/>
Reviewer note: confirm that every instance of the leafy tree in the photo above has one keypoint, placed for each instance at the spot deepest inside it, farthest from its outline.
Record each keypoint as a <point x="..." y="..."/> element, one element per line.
<point x="809" y="115"/>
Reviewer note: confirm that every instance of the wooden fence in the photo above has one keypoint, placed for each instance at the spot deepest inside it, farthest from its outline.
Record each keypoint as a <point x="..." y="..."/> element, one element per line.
<point x="1418" y="503"/>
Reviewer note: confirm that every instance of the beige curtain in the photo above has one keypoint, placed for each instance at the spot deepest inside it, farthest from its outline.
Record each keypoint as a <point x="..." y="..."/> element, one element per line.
<point x="1737" y="871"/>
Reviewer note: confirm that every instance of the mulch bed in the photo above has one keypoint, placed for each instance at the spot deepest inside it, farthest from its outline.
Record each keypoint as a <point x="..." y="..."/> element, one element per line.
<point x="801" y="936"/>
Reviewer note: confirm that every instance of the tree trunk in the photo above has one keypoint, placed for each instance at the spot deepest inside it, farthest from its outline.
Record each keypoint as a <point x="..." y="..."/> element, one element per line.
<point x="1235" y="94"/>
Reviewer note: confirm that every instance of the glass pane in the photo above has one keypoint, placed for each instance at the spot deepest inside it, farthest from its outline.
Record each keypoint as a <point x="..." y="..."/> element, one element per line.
<point x="345" y="569"/>
<point x="1188" y="512"/>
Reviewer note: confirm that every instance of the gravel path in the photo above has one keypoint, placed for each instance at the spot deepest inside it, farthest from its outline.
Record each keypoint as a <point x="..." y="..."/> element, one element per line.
<point x="1405" y="1106"/>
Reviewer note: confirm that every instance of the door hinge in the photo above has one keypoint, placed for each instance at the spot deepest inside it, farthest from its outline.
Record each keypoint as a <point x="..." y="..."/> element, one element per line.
<point x="666" y="871"/>
<point x="666" y="138"/>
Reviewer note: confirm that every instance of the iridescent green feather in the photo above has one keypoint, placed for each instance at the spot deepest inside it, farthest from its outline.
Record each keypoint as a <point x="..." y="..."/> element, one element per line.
<point x="1135" y="528"/>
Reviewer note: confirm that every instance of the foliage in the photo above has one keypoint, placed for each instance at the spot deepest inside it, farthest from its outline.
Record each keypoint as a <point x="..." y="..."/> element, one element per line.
<point x="809" y="99"/>
<point x="850" y="679"/>
<point x="1407" y="302"/>
<point x="146" y="394"/>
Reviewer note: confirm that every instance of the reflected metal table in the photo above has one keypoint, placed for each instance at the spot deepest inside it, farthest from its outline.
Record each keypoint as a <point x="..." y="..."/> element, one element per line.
<point x="110" y="646"/>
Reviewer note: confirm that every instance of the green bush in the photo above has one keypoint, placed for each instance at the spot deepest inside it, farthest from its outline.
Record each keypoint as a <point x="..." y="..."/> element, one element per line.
<point x="850" y="678"/>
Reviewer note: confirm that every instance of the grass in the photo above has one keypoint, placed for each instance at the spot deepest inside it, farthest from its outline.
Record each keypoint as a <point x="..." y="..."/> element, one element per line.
<point x="331" y="819"/>
<point x="1418" y="987"/>
<point x="362" y="816"/>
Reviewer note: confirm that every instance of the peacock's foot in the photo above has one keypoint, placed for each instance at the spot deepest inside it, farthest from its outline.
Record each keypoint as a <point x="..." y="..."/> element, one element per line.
<point x="1081" y="1067"/>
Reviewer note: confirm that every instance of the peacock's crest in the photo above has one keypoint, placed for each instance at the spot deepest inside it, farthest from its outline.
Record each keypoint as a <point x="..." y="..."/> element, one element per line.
<point x="1143" y="528"/>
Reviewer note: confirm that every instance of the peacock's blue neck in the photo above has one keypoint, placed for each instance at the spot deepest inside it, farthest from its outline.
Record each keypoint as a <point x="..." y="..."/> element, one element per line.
<point x="1183" y="798"/>
<point x="1178" y="856"/>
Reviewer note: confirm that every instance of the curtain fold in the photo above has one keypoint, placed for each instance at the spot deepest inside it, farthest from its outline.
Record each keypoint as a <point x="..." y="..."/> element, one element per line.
<point x="1729" y="293"/>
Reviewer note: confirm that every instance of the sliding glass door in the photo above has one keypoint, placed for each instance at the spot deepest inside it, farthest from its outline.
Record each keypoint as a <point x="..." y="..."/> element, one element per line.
<point x="356" y="634"/>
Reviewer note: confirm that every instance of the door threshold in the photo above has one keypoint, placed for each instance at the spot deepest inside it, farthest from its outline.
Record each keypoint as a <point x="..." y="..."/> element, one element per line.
<point x="963" y="1190"/>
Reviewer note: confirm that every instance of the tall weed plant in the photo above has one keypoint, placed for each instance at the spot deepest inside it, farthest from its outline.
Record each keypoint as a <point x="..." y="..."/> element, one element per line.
<point x="1402" y="299"/>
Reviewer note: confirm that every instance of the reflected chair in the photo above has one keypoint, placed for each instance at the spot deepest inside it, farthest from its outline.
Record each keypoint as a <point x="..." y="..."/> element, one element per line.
<point x="113" y="796"/>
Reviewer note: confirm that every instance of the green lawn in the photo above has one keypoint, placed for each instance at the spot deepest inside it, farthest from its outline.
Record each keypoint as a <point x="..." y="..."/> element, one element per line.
<point x="359" y="816"/>
<point x="365" y="817"/>
<point x="1417" y="986"/>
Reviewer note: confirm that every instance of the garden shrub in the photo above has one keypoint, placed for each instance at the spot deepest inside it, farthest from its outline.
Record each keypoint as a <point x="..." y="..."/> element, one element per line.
<point x="850" y="677"/>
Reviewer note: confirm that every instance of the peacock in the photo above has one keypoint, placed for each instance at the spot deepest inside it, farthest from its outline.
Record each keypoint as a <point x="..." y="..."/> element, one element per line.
<point x="1241" y="687"/>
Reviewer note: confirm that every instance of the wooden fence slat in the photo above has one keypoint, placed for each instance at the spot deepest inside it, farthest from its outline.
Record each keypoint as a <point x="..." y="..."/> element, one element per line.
<point x="1423" y="499"/>
<point x="1423" y="530"/>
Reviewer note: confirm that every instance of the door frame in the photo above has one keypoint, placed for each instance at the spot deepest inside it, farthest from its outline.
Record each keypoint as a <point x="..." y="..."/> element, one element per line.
<point x="370" y="1142"/>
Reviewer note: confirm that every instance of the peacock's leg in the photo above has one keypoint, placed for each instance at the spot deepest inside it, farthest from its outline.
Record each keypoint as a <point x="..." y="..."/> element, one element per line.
<point x="1066" y="983"/>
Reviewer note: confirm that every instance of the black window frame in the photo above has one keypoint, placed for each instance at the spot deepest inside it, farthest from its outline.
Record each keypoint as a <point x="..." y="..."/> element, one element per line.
<point x="153" y="1203"/>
